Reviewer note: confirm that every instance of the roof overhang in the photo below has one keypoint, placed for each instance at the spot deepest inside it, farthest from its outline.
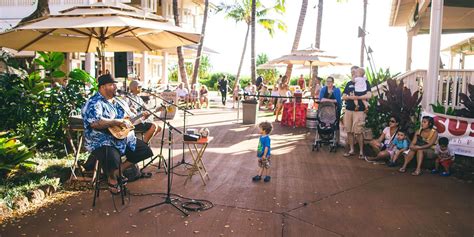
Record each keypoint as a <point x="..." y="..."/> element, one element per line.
<point x="465" y="47"/>
<point x="458" y="16"/>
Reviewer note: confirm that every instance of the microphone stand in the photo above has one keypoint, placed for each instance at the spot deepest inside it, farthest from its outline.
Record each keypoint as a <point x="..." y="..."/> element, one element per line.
<point x="160" y="156"/>
<point x="168" y="199"/>
<point x="185" y="111"/>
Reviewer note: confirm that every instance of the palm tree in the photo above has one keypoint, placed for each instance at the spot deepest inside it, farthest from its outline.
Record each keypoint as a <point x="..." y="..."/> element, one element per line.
<point x="299" y="30"/>
<point x="317" y="44"/>
<point x="362" y="43"/>
<point x="241" y="11"/>
<point x="364" y="20"/>
<point x="42" y="9"/>
<point x="181" y="67"/>
<point x="201" y="44"/>
<point x="252" y="41"/>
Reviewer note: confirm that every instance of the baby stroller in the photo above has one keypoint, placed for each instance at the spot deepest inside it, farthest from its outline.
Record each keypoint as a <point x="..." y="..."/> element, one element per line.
<point x="326" y="128"/>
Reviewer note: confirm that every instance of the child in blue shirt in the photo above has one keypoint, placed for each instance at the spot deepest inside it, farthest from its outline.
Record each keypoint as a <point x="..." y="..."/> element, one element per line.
<point x="263" y="152"/>
<point x="398" y="146"/>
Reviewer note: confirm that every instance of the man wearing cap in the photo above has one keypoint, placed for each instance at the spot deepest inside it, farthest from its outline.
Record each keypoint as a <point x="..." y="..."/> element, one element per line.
<point x="136" y="104"/>
<point x="104" y="110"/>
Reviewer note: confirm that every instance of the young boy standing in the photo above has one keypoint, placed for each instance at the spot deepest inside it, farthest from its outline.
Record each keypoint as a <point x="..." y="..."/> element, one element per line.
<point x="263" y="152"/>
<point x="445" y="156"/>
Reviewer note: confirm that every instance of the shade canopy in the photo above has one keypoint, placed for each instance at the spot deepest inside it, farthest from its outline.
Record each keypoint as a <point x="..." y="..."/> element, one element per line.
<point x="458" y="15"/>
<point x="108" y="27"/>
<point x="309" y="57"/>
<point x="463" y="47"/>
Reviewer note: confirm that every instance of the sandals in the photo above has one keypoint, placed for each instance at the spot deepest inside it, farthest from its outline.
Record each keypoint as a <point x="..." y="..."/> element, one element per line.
<point x="362" y="157"/>
<point x="402" y="170"/>
<point x="347" y="154"/>
<point x="114" y="189"/>
<point x="416" y="173"/>
<point x="146" y="175"/>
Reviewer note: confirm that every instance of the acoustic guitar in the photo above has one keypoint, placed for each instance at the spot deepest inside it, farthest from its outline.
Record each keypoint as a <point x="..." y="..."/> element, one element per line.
<point x="121" y="132"/>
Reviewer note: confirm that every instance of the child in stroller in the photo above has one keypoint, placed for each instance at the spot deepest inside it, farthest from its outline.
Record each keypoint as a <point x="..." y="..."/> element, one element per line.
<point x="326" y="130"/>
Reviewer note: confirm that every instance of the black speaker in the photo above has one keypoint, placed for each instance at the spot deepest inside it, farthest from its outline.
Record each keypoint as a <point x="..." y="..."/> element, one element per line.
<point x="123" y="63"/>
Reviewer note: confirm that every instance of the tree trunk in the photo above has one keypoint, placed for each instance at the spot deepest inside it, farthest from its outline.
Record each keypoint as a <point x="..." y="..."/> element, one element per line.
<point x="362" y="43"/>
<point x="252" y="54"/>
<point x="197" y="63"/>
<point x="317" y="44"/>
<point x="237" y="78"/>
<point x="181" y="68"/>
<point x="299" y="30"/>
<point x="42" y="10"/>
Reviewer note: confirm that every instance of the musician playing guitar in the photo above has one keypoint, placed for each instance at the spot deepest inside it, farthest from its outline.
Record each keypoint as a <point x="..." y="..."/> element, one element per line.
<point x="101" y="112"/>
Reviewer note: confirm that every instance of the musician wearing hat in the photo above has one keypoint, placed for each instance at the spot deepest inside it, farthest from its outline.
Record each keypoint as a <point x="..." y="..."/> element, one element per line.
<point x="108" y="135"/>
<point x="136" y="104"/>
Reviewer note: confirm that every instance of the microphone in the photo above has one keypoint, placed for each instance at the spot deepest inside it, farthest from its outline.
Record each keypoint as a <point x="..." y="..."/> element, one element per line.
<point x="122" y="92"/>
<point x="147" y="90"/>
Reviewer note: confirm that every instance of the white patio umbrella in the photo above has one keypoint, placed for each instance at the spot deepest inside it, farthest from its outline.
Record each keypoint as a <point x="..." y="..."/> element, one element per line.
<point x="97" y="27"/>
<point x="308" y="57"/>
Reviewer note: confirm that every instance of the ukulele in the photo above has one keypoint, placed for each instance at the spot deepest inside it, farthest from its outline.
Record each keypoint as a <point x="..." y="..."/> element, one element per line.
<point x="121" y="132"/>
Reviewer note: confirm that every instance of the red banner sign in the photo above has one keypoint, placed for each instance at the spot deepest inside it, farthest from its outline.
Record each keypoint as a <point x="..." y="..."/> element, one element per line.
<point x="460" y="132"/>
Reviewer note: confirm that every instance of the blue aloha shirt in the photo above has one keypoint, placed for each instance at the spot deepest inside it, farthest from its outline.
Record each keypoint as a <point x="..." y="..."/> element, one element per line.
<point x="98" y="107"/>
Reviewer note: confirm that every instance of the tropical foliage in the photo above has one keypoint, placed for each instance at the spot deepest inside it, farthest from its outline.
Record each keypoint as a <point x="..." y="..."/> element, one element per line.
<point x="35" y="107"/>
<point x="204" y="69"/>
<point x="241" y="11"/>
<point x="378" y="77"/>
<point x="468" y="102"/>
<point x="13" y="155"/>
<point x="269" y="75"/>
<point x="400" y="101"/>
<point x="439" y="108"/>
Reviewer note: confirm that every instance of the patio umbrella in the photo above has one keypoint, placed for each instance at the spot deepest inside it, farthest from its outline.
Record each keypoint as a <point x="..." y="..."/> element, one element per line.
<point x="97" y="27"/>
<point x="309" y="57"/>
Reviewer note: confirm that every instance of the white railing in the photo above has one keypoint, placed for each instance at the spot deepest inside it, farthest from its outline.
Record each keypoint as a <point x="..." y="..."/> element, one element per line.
<point x="14" y="3"/>
<point x="412" y="80"/>
<point x="450" y="84"/>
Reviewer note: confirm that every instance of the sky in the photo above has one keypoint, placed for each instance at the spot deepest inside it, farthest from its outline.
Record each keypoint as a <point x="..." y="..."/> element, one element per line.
<point x="339" y="37"/>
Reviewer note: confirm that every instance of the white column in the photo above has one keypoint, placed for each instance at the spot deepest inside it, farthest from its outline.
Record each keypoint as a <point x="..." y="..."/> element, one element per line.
<point x="90" y="64"/>
<point x="164" y="68"/>
<point x="409" y="51"/>
<point x="430" y="84"/>
<point x="144" y="74"/>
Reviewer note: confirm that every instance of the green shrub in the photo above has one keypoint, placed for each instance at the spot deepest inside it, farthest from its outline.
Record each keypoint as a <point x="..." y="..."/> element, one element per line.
<point x="37" y="108"/>
<point x="13" y="155"/>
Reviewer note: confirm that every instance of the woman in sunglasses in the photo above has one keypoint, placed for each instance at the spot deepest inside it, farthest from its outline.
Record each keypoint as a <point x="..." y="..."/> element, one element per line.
<point x="383" y="142"/>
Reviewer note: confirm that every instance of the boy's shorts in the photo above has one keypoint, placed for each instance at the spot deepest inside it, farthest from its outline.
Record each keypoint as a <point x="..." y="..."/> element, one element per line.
<point x="445" y="163"/>
<point x="264" y="162"/>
